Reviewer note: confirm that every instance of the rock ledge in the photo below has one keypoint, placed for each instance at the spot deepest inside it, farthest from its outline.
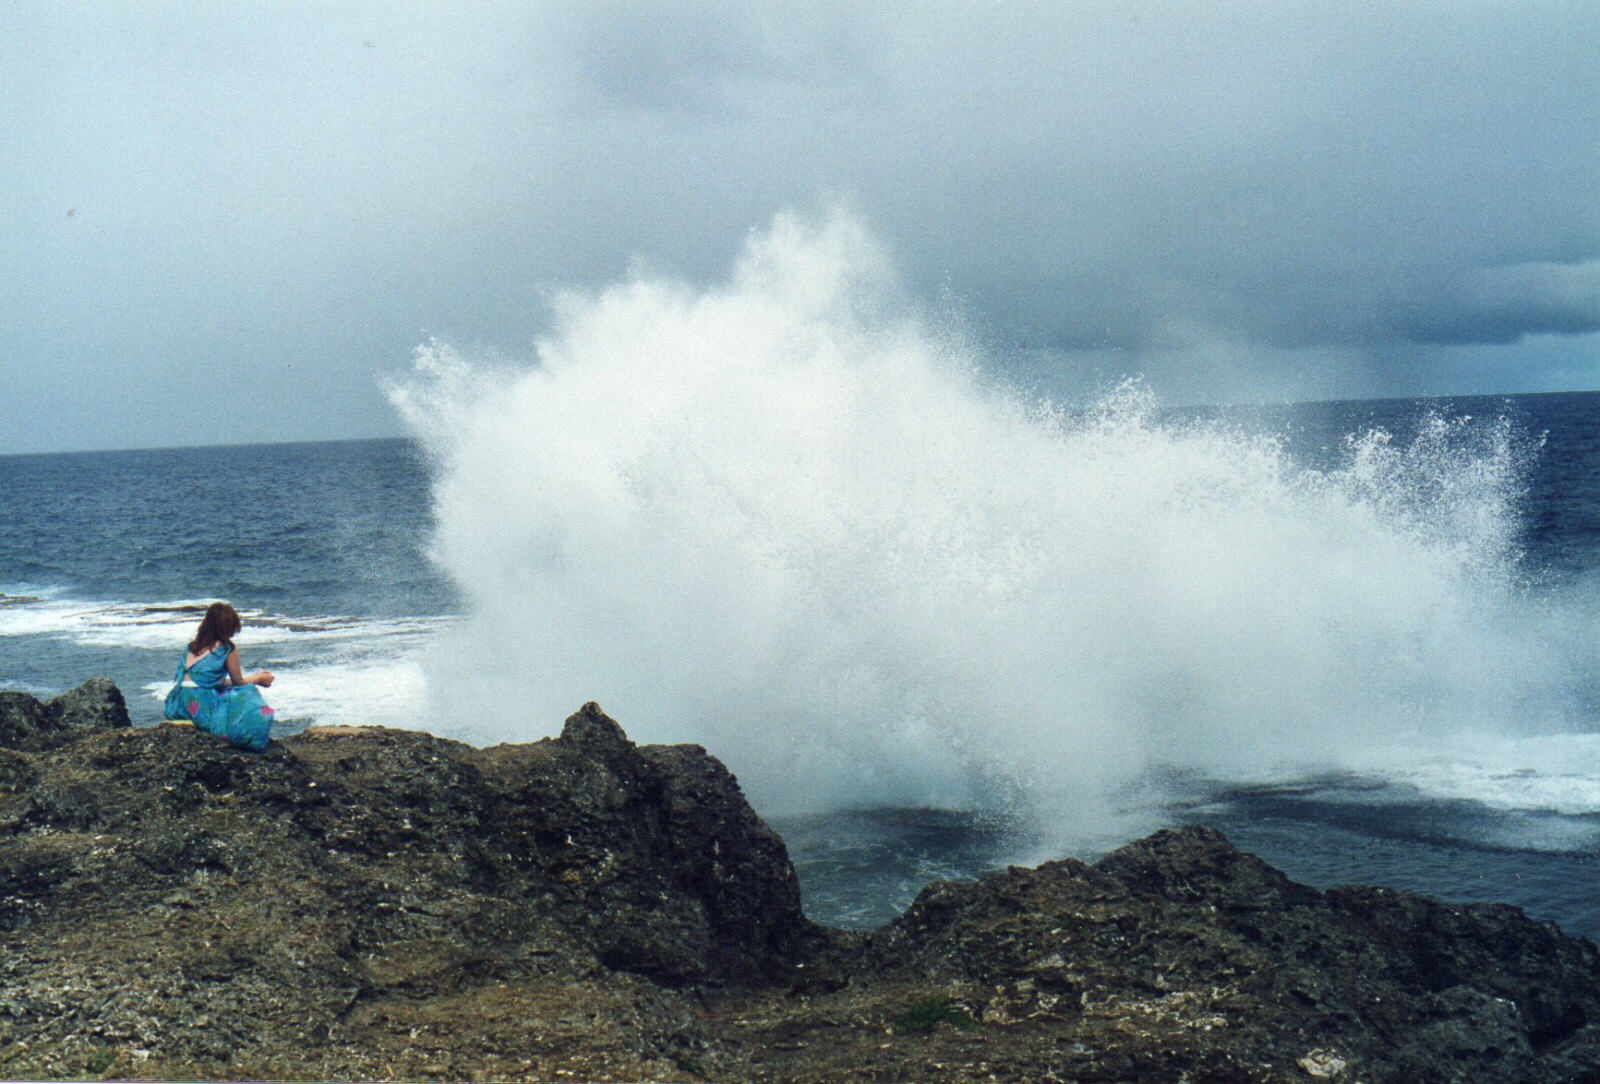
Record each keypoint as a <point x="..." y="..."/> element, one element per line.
<point x="374" y="904"/>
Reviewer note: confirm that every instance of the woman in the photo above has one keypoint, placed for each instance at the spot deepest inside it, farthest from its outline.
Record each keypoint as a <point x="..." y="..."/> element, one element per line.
<point x="211" y="693"/>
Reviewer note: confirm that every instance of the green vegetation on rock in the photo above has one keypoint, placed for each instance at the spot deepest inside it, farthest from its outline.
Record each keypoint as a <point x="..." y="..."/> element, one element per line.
<point x="928" y="1013"/>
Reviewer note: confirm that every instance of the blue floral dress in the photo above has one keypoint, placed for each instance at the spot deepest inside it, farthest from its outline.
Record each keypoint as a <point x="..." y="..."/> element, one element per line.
<point x="201" y="695"/>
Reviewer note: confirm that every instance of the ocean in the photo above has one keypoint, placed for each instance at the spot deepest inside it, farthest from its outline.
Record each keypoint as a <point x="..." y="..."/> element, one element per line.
<point x="935" y="622"/>
<point x="1361" y="638"/>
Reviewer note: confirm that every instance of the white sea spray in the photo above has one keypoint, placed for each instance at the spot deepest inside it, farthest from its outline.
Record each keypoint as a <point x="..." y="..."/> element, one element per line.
<point x="791" y="518"/>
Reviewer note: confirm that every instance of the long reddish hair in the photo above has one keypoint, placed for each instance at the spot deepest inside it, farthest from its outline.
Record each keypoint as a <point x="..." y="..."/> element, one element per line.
<point x="216" y="627"/>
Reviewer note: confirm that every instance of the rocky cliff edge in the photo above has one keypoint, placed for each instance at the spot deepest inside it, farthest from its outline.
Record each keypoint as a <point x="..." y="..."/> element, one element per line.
<point x="381" y="904"/>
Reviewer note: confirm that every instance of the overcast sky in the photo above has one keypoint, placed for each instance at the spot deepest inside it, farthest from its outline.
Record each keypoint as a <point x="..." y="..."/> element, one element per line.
<point x="230" y="222"/>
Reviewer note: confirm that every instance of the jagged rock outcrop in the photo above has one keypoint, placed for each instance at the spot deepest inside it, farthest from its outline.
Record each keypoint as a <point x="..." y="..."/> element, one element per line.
<point x="25" y="723"/>
<point x="161" y="892"/>
<point x="1179" y="954"/>
<point x="382" y="904"/>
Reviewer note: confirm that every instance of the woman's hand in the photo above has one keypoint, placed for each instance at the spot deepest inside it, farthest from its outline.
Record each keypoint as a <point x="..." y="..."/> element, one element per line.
<point x="260" y="677"/>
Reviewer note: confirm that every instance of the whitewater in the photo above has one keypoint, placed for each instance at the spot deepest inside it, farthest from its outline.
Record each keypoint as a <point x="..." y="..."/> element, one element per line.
<point x="933" y="623"/>
<point x="796" y="518"/>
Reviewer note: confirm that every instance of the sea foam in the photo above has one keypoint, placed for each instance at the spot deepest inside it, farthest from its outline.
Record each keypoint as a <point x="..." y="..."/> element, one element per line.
<point x="332" y="669"/>
<point x="792" y="517"/>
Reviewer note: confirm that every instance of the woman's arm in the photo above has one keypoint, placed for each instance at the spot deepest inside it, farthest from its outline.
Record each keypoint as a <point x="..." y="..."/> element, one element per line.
<point x="260" y="677"/>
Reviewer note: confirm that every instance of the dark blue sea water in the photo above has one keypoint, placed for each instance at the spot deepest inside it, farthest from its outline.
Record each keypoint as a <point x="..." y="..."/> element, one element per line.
<point x="107" y="557"/>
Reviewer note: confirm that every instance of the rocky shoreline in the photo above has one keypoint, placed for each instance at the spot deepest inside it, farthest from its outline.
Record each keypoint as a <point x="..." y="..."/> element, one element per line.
<point x="380" y="904"/>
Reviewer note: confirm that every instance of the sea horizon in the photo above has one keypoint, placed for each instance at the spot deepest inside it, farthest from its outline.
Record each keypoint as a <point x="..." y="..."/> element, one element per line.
<point x="1209" y="405"/>
<point x="1401" y="696"/>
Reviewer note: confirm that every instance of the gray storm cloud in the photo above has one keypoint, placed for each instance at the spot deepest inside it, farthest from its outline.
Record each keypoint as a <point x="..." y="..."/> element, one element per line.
<point x="1241" y="200"/>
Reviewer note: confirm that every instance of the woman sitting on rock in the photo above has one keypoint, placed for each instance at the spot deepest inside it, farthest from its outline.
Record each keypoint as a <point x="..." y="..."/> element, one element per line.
<point x="211" y="693"/>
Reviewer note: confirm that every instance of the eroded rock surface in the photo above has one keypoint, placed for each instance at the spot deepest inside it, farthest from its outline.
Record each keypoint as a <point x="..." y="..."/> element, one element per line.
<point x="25" y="723"/>
<point x="386" y="904"/>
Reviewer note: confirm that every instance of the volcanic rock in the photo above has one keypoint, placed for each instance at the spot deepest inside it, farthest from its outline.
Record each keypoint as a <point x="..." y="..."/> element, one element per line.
<point x="374" y="903"/>
<point x="27" y="724"/>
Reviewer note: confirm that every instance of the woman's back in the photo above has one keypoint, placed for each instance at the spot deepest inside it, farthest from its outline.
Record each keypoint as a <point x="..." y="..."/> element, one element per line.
<point x="209" y="667"/>
<point x="209" y="691"/>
